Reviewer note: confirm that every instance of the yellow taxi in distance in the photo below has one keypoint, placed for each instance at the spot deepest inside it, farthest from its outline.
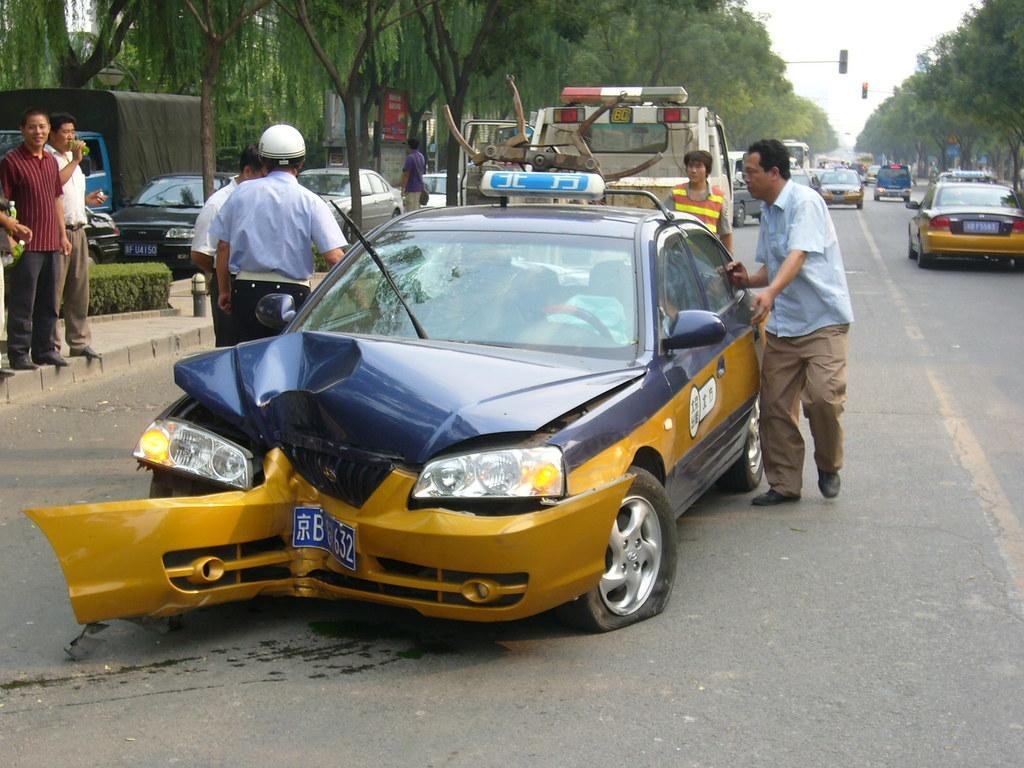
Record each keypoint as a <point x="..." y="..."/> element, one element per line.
<point x="842" y="187"/>
<point x="967" y="219"/>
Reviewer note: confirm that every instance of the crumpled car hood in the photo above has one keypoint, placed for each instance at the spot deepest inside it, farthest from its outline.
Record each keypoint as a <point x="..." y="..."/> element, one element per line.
<point x="402" y="399"/>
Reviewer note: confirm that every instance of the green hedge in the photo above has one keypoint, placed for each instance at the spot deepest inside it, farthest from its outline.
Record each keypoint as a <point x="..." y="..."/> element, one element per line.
<point x="115" y="288"/>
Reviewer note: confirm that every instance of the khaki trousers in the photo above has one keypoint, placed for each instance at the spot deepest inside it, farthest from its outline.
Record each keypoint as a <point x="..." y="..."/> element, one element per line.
<point x="811" y="369"/>
<point x="73" y="290"/>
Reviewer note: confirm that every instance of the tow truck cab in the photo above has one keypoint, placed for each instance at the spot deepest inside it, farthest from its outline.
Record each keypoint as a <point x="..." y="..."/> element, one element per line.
<point x="642" y="123"/>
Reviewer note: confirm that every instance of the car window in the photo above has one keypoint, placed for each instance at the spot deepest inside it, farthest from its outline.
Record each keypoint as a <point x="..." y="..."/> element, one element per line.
<point x="894" y="176"/>
<point x="173" y="192"/>
<point x="840" y="177"/>
<point x="435" y="184"/>
<point x="983" y="196"/>
<point x="326" y="183"/>
<point x="510" y="289"/>
<point x="677" y="284"/>
<point x="95" y="156"/>
<point x="375" y="184"/>
<point x="709" y="260"/>
<point x="631" y="137"/>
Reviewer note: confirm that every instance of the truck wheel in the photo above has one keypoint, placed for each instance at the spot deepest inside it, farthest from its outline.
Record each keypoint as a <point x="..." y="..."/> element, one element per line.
<point x="739" y="214"/>
<point x="640" y="563"/>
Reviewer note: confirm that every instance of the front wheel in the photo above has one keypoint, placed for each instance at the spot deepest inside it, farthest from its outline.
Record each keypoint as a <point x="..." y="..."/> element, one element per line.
<point x="640" y="563"/>
<point x="739" y="216"/>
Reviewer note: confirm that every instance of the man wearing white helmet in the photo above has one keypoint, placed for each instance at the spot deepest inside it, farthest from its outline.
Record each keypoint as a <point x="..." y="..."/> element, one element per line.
<point x="265" y="232"/>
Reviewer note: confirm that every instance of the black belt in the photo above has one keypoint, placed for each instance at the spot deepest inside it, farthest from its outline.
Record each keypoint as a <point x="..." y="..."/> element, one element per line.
<point x="73" y="227"/>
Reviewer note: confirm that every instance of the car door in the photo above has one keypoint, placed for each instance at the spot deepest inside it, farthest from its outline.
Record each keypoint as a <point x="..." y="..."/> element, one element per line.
<point x="919" y="222"/>
<point x="714" y="387"/>
<point x="371" y="193"/>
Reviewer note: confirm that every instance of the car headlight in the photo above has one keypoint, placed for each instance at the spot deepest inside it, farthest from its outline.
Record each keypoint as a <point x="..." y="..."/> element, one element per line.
<point x="511" y="472"/>
<point x="180" y="233"/>
<point x="195" y="451"/>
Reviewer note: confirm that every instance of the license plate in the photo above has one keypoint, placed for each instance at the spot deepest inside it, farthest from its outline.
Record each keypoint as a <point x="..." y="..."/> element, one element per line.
<point x="981" y="227"/>
<point x="621" y="115"/>
<point x="837" y="196"/>
<point x="314" y="528"/>
<point x="140" y="249"/>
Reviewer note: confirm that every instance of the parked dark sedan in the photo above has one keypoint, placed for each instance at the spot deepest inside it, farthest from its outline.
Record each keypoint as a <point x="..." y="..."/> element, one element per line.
<point x="104" y="237"/>
<point x="159" y="223"/>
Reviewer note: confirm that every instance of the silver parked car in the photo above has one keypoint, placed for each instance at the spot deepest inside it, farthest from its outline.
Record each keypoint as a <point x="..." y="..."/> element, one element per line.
<point x="381" y="201"/>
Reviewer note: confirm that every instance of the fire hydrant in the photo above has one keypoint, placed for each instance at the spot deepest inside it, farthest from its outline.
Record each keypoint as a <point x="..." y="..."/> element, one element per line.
<point x="199" y="295"/>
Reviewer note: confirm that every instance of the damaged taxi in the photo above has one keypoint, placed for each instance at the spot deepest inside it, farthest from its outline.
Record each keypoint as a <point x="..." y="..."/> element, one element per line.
<point x="489" y="412"/>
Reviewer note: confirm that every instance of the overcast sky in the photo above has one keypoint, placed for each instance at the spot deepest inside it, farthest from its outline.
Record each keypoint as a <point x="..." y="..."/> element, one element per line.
<point x="884" y="38"/>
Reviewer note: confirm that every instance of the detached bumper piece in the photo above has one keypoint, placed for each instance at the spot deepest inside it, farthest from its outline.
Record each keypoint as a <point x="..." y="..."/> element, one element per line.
<point x="161" y="557"/>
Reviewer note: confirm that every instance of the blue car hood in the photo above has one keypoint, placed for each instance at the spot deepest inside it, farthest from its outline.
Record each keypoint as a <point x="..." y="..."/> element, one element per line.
<point x="401" y="399"/>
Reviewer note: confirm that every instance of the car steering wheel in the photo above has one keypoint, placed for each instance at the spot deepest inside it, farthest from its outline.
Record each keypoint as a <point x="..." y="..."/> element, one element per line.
<point x="589" y="317"/>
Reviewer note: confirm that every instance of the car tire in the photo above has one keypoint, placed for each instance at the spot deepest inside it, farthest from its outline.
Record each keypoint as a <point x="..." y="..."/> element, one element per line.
<point x="745" y="473"/>
<point x="739" y="214"/>
<point x="877" y="198"/>
<point x="396" y="213"/>
<point x="616" y="602"/>
<point x="911" y="253"/>
<point x="168" y="485"/>
<point x="925" y="260"/>
<point x="860" y="206"/>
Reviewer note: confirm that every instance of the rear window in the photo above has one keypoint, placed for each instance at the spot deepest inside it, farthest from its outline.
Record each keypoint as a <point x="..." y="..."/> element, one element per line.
<point x="982" y="196"/>
<point x="894" y="176"/>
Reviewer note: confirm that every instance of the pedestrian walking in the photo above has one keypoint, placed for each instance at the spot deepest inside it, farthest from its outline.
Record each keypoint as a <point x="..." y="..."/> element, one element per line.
<point x="29" y="176"/>
<point x="204" y="245"/>
<point x="73" y="274"/>
<point x="412" y="175"/>
<point x="807" y="306"/>
<point x="265" y="231"/>
<point x="707" y="203"/>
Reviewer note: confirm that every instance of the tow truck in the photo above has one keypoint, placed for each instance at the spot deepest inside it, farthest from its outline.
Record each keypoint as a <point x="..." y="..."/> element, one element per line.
<point x="635" y="137"/>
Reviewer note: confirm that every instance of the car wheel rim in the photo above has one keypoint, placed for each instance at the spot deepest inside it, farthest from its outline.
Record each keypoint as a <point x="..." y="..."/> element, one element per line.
<point x="633" y="558"/>
<point x="754" y="439"/>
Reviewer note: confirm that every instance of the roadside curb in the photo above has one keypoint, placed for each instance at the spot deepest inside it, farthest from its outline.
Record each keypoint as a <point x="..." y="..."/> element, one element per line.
<point x="27" y="385"/>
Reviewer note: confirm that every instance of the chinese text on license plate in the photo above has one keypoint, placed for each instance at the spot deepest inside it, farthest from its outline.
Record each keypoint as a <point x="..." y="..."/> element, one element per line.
<point x="313" y="528"/>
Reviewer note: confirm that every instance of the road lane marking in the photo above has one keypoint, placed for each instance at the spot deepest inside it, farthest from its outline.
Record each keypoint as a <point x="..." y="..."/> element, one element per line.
<point x="1000" y="516"/>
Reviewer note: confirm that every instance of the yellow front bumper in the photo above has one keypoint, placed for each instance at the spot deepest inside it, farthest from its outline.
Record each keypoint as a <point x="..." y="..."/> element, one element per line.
<point x="159" y="557"/>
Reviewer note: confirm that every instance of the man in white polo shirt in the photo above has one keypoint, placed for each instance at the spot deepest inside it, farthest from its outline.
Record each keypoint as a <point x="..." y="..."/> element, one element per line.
<point x="265" y="232"/>
<point x="204" y="245"/>
<point x="73" y="276"/>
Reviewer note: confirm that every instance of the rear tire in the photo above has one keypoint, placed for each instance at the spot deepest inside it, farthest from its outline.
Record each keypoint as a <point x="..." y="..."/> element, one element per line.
<point x="911" y="253"/>
<point x="745" y="473"/>
<point x="925" y="260"/>
<point x="640" y="563"/>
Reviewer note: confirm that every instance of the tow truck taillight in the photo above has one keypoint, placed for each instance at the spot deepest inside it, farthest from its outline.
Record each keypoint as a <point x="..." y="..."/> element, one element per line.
<point x="568" y="115"/>
<point x="939" y="222"/>
<point x="672" y="94"/>
<point x="673" y="115"/>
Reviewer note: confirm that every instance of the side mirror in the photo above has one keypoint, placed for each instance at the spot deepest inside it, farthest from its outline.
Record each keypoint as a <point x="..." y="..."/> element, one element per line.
<point x="912" y="204"/>
<point x="275" y="310"/>
<point x="695" y="328"/>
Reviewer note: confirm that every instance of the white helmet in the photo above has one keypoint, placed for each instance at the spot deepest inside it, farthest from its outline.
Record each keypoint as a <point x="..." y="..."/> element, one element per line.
<point x="282" y="143"/>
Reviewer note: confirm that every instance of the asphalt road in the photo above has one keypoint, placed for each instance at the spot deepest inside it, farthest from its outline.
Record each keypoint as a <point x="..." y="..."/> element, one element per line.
<point x="884" y="628"/>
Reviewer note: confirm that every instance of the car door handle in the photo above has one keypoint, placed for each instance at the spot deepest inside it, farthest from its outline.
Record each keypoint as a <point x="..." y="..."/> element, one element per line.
<point x="721" y="366"/>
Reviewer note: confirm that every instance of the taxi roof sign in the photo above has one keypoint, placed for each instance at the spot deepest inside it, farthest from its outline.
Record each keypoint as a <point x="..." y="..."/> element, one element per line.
<point x="582" y="186"/>
<point x="671" y="94"/>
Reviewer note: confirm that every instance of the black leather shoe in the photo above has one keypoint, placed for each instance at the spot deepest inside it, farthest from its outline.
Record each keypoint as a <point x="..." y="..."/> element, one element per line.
<point x="828" y="484"/>
<point x="87" y="352"/>
<point x="771" y="498"/>
<point x="50" y="358"/>
<point x="22" y="363"/>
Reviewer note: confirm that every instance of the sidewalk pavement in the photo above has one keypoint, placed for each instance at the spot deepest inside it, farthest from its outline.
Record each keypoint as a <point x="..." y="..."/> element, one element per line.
<point x="131" y="339"/>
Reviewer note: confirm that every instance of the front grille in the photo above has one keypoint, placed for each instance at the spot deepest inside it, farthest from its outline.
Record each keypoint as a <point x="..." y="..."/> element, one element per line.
<point x="347" y="475"/>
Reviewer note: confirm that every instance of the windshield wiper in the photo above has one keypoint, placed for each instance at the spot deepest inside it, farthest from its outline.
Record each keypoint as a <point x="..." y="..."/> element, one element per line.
<point x="383" y="269"/>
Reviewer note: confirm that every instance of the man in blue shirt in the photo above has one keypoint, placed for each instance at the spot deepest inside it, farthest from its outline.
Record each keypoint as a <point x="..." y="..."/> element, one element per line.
<point x="807" y="306"/>
<point x="265" y="232"/>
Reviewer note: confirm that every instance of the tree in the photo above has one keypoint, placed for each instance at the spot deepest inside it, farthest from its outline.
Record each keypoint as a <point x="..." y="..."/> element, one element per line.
<point x="219" y="21"/>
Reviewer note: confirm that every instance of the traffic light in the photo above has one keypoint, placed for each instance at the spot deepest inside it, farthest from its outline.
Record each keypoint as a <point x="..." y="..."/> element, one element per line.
<point x="864" y="90"/>
<point x="844" y="58"/>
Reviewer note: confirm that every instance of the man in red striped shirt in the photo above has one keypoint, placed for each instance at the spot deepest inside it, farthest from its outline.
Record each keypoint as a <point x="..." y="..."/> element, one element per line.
<point x="29" y="176"/>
